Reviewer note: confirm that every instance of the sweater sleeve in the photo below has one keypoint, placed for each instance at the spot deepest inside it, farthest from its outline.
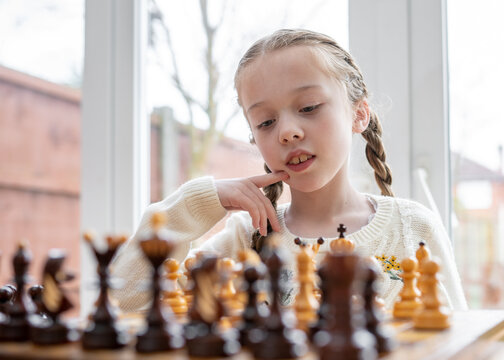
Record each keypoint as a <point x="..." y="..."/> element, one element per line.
<point x="191" y="211"/>
<point x="433" y="233"/>
<point x="236" y="236"/>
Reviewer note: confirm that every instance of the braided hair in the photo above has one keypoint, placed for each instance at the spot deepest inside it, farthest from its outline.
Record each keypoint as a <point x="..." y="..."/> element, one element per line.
<point x="339" y="64"/>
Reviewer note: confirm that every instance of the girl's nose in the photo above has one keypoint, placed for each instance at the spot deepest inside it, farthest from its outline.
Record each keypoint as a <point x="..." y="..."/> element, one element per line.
<point x="289" y="133"/>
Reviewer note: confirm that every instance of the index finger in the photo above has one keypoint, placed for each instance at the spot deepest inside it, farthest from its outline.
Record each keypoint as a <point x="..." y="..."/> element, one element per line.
<point x="268" y="179"/>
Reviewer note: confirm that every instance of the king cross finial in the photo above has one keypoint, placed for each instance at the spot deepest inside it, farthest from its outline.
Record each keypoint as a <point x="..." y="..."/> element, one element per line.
<point x="342" y="230"/>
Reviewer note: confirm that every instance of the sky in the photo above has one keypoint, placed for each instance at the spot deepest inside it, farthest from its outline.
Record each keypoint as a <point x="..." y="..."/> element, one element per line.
<point x="45" y="38"/>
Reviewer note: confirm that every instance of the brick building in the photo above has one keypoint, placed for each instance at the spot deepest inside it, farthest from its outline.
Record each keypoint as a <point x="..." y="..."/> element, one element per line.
<point x="40" y="168"/>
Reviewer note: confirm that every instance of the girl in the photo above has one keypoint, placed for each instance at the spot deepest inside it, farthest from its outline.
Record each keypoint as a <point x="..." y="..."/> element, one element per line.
<point x="303" y="97"/>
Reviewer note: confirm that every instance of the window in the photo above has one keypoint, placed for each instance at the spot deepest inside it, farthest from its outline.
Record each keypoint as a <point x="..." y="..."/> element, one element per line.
<point x="189" y="137"/>
<point x="476" y="127"/>
<point x="41" y="56"/>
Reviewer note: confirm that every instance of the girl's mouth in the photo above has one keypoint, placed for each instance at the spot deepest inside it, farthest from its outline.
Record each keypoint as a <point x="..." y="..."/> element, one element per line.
<point x="301" y="162"/>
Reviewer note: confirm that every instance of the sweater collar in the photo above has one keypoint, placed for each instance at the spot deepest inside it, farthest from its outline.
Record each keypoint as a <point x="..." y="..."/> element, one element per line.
<point x="365" y="235"/>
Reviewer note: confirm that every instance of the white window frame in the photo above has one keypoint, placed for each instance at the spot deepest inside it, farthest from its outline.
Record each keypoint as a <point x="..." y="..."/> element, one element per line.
<point x="115" y="132"/>
<point x="401" y="48"/>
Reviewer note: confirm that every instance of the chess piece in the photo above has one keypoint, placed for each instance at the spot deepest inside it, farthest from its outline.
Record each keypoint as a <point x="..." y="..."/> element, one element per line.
<point x="342" y="333"/>
<point x="342" y="245"/>
<point x="374" y="317"/>
<point x="277" y="338"/>
<point x="378" y="300"/>
<point x="316" y="247"/>
<point x="254" y="272"/>
<point x="7" y="295"/>
<point x="189" y="264"/>
<point x="173" y="296"/>
<point x="409" y="303"/>
<point x="35" y="294"/>
<point x="306" y="304"/>
<point x="102" y="331"/>
<point x="422" y="254"/>
<point x="162" y="332"/>
<point x="16" y="326"/>
<point x="203" y="337"/>
<point x="433" y="314"/>
<point x="49" y="329"/>
<point x="227" y="292"/>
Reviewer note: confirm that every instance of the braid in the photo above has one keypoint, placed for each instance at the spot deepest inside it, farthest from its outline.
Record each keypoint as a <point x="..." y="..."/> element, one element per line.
<point x="375" y="154"/>
<point x="272" y="192"/>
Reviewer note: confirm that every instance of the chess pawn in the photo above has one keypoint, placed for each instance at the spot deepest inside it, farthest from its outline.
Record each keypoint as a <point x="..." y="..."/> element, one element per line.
<point x="378" y="301"/>
<point x="161" y="332"/>
<point x="7" y="295"/>
<point x="253" y="279"/>
<point x="173" y="295"/>
<point x="102" y="331"/>
<point x="241" y="288"/>
<point x="35" y="294"/>
<point x="49" y="329"/>
<point x="374" y="316"/>
<point x="342" y="245"/>
<point x="409" y="303"/>
<point x="306" y="305"/>
<point x="422" y="254"/>
<point x="278" y="338"/>
<point x="227" y="292"/>
<point x="16" y="326"/>
<point x="433" y="315"/>
<point x="189" y="264"/>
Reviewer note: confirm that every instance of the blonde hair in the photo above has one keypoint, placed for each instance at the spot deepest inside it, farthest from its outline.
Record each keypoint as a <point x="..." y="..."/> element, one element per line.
<point x="340" y="64"/>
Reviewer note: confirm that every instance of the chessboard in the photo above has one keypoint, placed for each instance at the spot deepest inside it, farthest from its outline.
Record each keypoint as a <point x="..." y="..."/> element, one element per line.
<point x="475" y="334"/>
<point x="238" y="311"/>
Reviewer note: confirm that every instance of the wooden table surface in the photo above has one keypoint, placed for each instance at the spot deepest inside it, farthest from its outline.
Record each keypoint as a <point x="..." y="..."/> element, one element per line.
<point x="475" y="334"/>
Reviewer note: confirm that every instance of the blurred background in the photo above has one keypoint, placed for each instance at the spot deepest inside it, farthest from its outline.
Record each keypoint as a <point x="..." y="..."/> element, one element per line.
<point x="195" y="126"/>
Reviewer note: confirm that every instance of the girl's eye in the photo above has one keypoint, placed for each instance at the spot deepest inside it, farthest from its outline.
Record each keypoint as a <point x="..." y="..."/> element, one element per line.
<point x="265" y="124"/>
<point x="308" y="109"/>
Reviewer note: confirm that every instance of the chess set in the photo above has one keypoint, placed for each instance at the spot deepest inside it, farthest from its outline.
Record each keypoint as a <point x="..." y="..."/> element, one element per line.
<point x="234" y="310"/>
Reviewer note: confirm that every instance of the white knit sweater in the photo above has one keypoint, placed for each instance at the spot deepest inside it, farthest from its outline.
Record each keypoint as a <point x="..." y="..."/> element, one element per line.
<point x="394" y="233"/>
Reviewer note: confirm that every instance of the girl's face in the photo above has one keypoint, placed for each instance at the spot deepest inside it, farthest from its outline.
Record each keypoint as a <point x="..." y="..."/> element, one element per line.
<point x="300" y="117"/>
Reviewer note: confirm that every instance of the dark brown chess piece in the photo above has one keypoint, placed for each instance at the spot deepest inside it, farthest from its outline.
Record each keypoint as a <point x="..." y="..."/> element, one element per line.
<point x="278" y="338"/>
<point x="204" y="337"/>
<point x="342" y="334"/>
<point x="7" y="295"/>
<point x="35" y="294"/>
<point x="49" y="329"/>
<point x="16" y="326"/>
<point x="102" y="331"/>
<point x="374" y="317"/>
<point x="162" y="332"/>
<point x="253" y="276"/>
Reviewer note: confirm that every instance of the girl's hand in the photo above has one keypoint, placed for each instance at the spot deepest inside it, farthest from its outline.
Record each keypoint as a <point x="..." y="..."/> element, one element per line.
<point x="245" y="194"/>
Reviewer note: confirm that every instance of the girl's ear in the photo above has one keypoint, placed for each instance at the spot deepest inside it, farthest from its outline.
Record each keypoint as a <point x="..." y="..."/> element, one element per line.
<point x="361" y="117"/>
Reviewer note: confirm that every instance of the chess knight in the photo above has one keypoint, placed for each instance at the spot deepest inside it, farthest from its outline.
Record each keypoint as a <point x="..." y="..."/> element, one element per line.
<point x="51" y="330"/>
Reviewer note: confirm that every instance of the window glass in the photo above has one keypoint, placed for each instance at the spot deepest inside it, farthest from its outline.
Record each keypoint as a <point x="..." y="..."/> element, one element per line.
<point x="41" y="57"/>
<point x="196" y="128"/>
<point x="476" y="54"/>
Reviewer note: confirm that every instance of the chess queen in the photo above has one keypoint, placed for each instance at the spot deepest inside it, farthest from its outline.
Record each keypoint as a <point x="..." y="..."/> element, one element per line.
<point x="305" y="99"/>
